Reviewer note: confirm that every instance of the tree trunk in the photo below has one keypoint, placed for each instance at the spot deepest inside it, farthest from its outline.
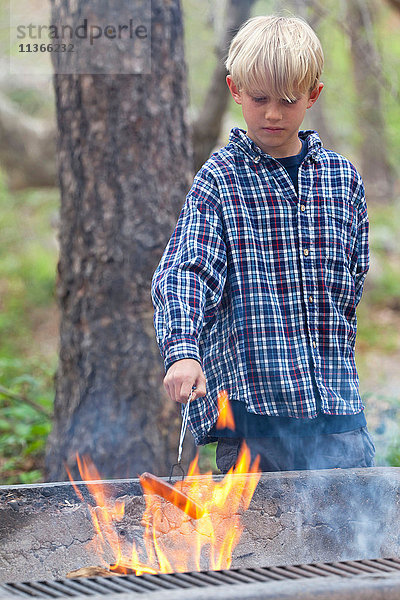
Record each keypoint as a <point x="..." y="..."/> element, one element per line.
<point x="125" y="165"/>
<point x="395" y="4"/>
<point x="375" y="165"/>
<point x="207" y="126"/>
<point x="316" y="118"/>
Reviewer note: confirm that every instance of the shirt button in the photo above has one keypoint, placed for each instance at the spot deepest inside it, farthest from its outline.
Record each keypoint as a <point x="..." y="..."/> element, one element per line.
<point x="314" y="344"/>
<point x="306" y="252"/>
<point x="302" y="208"/>
<point x="310" y="298"/>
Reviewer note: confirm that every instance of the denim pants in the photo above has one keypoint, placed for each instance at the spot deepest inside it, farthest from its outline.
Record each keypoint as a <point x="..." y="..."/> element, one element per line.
<point x="351" y="449"/>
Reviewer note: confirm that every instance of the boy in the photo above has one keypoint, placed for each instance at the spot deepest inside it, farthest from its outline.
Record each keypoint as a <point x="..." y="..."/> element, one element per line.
<point x="258" y="286"/>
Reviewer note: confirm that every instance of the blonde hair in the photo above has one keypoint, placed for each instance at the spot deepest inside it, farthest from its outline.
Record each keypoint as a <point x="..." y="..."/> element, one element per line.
<point x="278" y="55"/>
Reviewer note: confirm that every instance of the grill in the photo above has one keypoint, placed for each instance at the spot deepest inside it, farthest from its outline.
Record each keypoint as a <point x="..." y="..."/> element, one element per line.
<point x="384" y="573"/>
<point x="321" y="524"/>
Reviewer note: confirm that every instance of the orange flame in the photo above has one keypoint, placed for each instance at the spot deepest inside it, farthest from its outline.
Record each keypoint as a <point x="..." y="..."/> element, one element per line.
<point x="225" y="414"/>
<point x="172" y="540"/>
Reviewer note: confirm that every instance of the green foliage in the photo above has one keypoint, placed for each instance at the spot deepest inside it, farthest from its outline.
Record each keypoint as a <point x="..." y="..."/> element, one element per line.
<point x="385" y="247"/>
<point x="207" y="458"/>
<point x="198" y="34"/>
<point x="31" y="101"/>
<point x="389" y="48"/>
<point x="27" y="273"/>
<point x="28" y="254"/>
<point x="384" y="421"/>
<point x="24" y="428"/>
<point x="382" y="288"/>
<point x="393" y="455"/>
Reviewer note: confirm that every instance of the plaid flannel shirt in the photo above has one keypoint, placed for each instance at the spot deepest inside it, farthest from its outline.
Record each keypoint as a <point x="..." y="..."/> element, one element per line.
<point x="256" y="278"/>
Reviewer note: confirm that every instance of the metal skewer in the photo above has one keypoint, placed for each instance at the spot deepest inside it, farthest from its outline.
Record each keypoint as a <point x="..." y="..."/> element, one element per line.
<point x="185" y="419"/>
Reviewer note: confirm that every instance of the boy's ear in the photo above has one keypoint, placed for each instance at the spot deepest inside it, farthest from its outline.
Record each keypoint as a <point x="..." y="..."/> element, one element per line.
<point x="315" y="94"/>
<point x="234" y="90"/>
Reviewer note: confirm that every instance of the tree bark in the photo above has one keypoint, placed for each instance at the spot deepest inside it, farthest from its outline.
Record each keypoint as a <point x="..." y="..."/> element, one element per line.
<point x="316" y="117"/>
<point x="207" y="126"/>
<point x="395" y="4"/>
<point x="125" y="165"/>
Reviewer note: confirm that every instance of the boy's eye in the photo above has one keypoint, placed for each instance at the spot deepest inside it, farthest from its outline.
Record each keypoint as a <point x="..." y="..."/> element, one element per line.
<point x="285" y="101"/>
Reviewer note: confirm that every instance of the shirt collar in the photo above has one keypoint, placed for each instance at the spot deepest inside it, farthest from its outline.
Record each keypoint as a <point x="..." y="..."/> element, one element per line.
<point x="239" y="138"/>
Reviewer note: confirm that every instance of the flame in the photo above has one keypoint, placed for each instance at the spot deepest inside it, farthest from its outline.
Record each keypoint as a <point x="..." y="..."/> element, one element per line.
<point x="225" y="414"/>
<point x="172" y="540"/>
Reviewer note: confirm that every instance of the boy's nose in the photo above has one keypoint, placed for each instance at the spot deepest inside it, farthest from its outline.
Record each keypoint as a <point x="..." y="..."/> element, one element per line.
<point x="273" y="112"/>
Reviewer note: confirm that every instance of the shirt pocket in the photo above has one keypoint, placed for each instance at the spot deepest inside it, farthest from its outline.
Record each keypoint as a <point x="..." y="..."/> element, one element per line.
<point x="339" y="230"/>
<point x="337" y="227"/>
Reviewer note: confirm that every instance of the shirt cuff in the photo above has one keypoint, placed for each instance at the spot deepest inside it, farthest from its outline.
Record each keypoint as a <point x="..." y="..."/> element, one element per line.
<point x="180" y="347"/>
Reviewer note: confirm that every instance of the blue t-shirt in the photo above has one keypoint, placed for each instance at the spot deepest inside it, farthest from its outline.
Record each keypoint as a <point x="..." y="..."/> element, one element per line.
<point x="250" y="425"/>
<point x="292" y="164"/>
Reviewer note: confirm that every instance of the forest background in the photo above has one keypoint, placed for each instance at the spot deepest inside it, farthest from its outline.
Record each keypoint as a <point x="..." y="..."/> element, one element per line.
<point x="29" y="221"/>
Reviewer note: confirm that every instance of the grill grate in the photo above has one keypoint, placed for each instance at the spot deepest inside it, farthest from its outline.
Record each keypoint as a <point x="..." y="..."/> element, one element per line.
<point x="95" y="586"/>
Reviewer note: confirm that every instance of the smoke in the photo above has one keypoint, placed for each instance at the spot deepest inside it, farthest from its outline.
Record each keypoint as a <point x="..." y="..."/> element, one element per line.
<point x="326" y="515"/>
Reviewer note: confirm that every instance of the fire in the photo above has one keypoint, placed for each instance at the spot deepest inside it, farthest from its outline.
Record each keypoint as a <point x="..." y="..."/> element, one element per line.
<point x="225" y="414"/>
<point x="174" y="541"/>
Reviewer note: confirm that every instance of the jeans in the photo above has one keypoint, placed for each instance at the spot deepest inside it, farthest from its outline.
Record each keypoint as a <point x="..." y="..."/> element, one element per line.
<point x="351" y="449"/>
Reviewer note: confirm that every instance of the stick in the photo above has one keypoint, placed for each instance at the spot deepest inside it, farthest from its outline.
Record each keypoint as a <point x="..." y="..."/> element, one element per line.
<point x="9" y="394"/>
<point x="151" y="484"/>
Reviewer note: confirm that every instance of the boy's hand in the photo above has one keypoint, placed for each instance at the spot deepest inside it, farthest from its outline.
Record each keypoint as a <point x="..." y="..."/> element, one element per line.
<point x="181" y="377"/>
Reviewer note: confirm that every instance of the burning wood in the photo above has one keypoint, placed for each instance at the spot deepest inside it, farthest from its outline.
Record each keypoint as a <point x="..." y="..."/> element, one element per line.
<point x="91" y="572"/>
<point x="154" y="485"/>
<point x="186" y="528"/>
